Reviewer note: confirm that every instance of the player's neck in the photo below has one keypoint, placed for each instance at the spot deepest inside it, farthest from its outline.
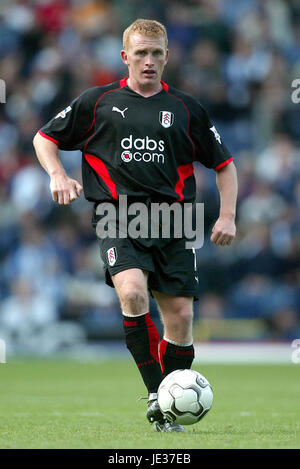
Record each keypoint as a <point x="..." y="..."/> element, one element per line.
<point x="145" y="91"/>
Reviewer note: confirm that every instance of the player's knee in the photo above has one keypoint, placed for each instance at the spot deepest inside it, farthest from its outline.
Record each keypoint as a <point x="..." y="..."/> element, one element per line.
<point x="134" y="300"/>
<point x="184" y="316"/>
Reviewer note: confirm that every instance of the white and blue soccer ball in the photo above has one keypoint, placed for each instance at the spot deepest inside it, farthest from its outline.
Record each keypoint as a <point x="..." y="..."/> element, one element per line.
<point x="185" y="396"/>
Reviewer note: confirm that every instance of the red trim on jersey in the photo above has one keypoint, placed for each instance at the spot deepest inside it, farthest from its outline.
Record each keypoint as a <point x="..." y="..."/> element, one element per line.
<point x="87" y="131"/>
<point x="153" y="337"/>
<point x="123" y="82"/>
<point x="48" y="138"/>
<point x="164" y="85"/>
<point x="184" y="171"/>
<point x="162" y="350"/>
<point x="189" y="118"/>
<point x="94" y="119"/>
<point x="223" y="164"/>
<point x="102" y="170"/>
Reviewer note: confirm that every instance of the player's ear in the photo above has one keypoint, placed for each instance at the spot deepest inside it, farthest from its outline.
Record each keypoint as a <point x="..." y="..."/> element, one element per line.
<point x="166" y="56"/>
<point x="124" y="57"/>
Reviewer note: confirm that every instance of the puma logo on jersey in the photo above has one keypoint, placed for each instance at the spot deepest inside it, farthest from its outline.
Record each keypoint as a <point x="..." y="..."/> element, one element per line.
<point x="119" y="110"/>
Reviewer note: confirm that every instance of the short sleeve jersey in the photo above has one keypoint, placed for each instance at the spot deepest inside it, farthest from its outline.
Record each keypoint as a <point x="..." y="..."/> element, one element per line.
<point x="137" y="146"/>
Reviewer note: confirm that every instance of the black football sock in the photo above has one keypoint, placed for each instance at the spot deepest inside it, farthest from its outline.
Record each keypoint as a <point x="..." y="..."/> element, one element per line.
<point x="142" y="339"/>
<point x="173" y="356"/>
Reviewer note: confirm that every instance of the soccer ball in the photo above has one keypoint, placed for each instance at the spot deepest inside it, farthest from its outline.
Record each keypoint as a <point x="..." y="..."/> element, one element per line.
<point x="185" y="396"/>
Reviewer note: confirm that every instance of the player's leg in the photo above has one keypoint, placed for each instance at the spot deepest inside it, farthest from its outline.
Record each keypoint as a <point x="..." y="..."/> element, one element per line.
<point x="174" y="286"/>
<point x="142" y="339"/>
<point x="126" y="266"/>
<point x="141" y="335"/>
<point x="176" y="350"/>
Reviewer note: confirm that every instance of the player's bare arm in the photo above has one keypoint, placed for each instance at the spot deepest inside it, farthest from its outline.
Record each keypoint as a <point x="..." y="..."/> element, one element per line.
<point x="64" y="190"/>
<point x="224" y="230"/>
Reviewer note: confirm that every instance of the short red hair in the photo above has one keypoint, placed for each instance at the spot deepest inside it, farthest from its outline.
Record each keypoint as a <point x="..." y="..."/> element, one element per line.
<point x="144" y="27"/>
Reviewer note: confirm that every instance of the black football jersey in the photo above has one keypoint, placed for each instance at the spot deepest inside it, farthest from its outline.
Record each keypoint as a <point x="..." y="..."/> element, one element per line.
<point x="137" y="146"/>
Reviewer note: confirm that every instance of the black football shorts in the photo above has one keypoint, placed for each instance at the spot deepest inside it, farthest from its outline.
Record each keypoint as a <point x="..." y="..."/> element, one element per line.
<point x="171" y="266"/>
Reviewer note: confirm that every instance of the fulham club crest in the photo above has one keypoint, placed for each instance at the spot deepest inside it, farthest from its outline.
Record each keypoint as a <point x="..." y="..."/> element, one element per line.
<point x="112" y="256"/>
<point x="166" y="118"/>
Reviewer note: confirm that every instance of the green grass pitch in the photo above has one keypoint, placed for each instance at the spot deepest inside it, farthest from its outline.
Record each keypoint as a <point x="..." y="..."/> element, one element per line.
<point x="70" y="404"/>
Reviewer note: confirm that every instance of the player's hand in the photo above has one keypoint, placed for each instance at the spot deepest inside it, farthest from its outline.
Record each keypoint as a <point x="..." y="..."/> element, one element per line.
<point x="223" y="232"/>
<point x="64" y="190"/>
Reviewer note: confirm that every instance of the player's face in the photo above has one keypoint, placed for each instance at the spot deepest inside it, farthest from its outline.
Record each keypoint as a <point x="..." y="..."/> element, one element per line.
<point x="145" y="58"/>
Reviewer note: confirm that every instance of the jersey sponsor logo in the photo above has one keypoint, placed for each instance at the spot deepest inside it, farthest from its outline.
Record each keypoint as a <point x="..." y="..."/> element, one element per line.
<point x="216" y="134"/>
<point x="126" y="156"/>
<point x="152" y="154"/>
<point x="119" y="110"/>
<point x="63" y="113"/>
<point x="112" y="256"/>
<point x="166" y="118"/>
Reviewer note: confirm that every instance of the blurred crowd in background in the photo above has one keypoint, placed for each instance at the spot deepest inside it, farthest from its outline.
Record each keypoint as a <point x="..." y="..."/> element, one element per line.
<point x="239" y="58"/>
